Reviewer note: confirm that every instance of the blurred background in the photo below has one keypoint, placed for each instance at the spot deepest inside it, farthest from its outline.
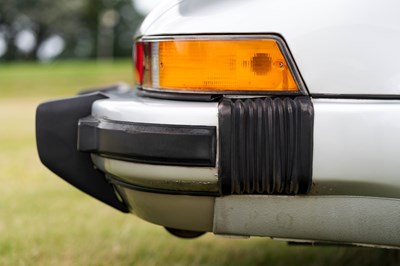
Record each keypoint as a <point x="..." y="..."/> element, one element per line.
<point x="45" y="30"/>
<point x="51" y="49"/>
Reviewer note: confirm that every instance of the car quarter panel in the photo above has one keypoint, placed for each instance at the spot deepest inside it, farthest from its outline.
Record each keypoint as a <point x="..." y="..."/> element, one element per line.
<point x="355" y="150"/>
<point x="356" y="147"/>
<point x="340" y="47"/>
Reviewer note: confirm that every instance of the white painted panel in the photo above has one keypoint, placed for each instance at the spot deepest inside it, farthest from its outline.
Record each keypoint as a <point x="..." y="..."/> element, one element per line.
<point x="155" y="111"/>
<point x="357" y="141"/>
<point x="340" y="47"/>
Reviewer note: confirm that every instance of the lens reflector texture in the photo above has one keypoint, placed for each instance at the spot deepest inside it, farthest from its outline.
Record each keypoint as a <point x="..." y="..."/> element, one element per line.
<point x="215" y="66"/>
<point x="223" y="65"/>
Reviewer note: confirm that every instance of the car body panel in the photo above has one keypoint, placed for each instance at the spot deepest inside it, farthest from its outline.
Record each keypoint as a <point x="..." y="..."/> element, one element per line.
<point x="176" y="211"/>
<point x="155" y="111"/>
<point x="355" y="142"/>
<point x="346" y="53"/>
<point x="340" y="219"/>
<point x="169" y="177"/>
<point x="340" y="47"/>
<point x="356" y="147"/>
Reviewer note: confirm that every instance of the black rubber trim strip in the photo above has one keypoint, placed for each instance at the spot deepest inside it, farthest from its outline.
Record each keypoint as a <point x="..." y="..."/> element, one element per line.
<point x="56" y="138"/>
<point x="266" y="145"/>
<point x="207" y="97"/>
<point x="148" y="143"/>
<point x="358" y="96"/>
<point x="178" y="96"/>
<point x="124" y="184"/>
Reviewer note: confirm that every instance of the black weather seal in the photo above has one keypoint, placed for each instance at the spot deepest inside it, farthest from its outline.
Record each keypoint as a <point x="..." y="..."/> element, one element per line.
<point x="208" y="97"/>
<point x="178" y="96"/>
<point x="56" y="138"/>
<point x="266" y="145"/>
<point x="357" y="96"/>
<point x="148" y="143"/>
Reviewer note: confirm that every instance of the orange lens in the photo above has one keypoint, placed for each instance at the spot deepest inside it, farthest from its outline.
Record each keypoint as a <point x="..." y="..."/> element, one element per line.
<point x="229" y="65"/>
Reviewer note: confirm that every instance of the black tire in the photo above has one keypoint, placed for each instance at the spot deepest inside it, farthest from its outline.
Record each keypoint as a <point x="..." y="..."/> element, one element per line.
<point x="186" y="234"/>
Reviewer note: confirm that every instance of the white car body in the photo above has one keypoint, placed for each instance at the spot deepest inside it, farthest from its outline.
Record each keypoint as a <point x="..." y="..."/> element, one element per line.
<point x="340" y="47"/>
<point x="347" y="55"/>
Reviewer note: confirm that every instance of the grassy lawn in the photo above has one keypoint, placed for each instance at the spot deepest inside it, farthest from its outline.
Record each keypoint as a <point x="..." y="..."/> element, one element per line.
<point x="44" y="221"/>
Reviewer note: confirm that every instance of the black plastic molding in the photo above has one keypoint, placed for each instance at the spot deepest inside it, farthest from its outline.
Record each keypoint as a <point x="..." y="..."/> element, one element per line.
<point x="148" y="143"/>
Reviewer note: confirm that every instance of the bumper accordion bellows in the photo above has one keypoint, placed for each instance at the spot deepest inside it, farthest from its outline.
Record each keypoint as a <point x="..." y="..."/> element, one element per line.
<point x="266" y="145"/>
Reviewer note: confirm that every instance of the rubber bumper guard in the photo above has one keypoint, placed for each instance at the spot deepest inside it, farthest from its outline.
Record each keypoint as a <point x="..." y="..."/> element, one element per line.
<point x="266" y="145"/>
<point x="56" y="138"/>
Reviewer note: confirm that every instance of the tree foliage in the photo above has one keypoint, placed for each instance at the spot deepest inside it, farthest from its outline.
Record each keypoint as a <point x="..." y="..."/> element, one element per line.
<point x="77" y="22"/>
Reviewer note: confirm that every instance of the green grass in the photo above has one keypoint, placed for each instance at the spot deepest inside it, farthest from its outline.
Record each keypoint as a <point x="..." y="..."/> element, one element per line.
<point x="60" y="78"/>
<point x="44" y="221"/>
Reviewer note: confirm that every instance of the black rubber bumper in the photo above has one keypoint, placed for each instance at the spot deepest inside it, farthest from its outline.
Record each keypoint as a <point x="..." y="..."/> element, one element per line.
<point x="148" y="143"/>
<point x="56" y="138"/>
<point x="66" y="135"/>
<point x="266" y="145"/>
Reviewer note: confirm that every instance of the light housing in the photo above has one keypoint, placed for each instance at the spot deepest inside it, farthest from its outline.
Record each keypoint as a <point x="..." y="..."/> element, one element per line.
<point x="217" y="64"/>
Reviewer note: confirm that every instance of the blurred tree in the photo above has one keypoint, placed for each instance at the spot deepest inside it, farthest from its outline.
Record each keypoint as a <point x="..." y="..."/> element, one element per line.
<point x="26" y="25"/>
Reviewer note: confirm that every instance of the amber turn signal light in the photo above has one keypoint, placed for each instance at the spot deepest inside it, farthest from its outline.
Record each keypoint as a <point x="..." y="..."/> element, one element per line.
<point x="216" y="64"/>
